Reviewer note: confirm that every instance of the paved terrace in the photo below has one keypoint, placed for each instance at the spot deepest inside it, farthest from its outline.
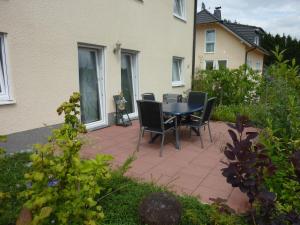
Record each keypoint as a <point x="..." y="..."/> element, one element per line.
<point x="191" y="170"/>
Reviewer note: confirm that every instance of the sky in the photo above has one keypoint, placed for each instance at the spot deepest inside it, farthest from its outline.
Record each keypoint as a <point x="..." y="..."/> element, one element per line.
<point x="274" y="16"/>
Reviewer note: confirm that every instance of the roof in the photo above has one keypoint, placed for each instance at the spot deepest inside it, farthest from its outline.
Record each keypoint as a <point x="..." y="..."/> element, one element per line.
<point x="246" y="33"/>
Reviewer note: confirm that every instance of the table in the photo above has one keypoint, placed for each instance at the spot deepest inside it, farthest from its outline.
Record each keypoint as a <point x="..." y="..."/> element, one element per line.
<point x="178" y="110"/>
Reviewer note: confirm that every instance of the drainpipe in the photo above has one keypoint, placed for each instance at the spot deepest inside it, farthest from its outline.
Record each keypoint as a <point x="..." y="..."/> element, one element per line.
<point x="194" y="41"/>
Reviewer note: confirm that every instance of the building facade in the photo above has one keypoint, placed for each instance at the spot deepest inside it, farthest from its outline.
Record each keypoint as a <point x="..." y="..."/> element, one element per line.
<point x="50" y="49"/>
<point x="221" y="43"/>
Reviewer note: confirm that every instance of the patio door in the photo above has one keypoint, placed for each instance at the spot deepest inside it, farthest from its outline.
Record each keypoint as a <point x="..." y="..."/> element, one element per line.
<point x="129" y="81"/>
<point x="91" y="85"/>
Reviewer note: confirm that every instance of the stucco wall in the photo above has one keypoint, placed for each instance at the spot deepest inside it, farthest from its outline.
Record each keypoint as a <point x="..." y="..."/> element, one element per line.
<point x="43" y="38"/>
<point x="227" y="47"/>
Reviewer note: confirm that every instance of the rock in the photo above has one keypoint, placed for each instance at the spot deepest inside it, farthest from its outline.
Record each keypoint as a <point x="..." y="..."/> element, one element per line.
<point x="25" y="217"/>
<point x="160" y="209"/>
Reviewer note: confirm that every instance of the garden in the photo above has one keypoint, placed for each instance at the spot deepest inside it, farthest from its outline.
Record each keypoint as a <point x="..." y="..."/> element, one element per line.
<point x="53" y="185"/>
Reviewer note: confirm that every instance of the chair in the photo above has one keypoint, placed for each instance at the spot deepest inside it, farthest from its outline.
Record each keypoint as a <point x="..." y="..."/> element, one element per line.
<point x="148" y="96"/>
<point x="197" y="97"/>
<point x="172" y="98"/>
<point x="197" y="122"/>
<point x="151" y="120"/>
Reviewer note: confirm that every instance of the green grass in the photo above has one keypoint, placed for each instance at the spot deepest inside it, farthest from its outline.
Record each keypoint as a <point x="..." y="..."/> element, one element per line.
<point x="120" y="207"/>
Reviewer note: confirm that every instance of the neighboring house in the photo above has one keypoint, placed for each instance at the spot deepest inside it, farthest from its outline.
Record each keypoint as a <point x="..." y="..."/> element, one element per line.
<point x="51" y="48"/>
<point x="220" y="43"/>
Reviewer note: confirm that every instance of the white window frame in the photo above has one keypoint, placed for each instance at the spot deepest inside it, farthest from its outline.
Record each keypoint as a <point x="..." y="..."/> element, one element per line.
<point x="179" y="82"/>
<point x="100" y="53"/>
<point x="210" y="42"/>
<point x="5" y="95"/>
<point x="214" y="64"/>
<point x="256" y="40"/>
<point x="183" y="16"/>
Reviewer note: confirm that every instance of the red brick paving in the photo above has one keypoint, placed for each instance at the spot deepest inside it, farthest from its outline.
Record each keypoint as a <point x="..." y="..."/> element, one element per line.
<point x="191" y="170"/>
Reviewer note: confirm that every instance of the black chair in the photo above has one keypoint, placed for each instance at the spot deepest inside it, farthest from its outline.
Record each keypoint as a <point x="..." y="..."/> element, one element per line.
<point x="197" y="97"/>
<point x="197" y="122"/>
<point x="172" y="98"/>
<point x="148" y="96"/>
<point x="151" y="120"/>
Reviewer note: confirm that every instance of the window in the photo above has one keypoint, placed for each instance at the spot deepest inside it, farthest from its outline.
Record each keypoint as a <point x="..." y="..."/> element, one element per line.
<point x="222" y="64"/>
<point x="209" y="65"/>
<point x="258" y="66"/>
<point x="256" y="40"/>
<point x="177" y="71"/>
<point x="210" y="39"/>
<point x="179" y="9"/>
<point x="4" y="88"/>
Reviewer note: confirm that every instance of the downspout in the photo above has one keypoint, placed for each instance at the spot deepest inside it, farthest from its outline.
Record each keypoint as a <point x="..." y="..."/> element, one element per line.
<point x="194" y="42"/>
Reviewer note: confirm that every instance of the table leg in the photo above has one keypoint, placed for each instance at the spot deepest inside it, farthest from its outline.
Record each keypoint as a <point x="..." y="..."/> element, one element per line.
<point x="177" y="134"/>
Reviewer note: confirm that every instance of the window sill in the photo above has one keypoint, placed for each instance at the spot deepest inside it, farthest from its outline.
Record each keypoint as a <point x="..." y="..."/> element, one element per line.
<point x="7" y="102"/>
<point x="183" y="19"/>
<point x="209" y="52"/>
<point x="177" y="84"/>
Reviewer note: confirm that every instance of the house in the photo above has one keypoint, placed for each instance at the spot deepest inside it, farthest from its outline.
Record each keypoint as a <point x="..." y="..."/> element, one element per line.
<point x="221" y="43"/>
<point x="51" y="48"/>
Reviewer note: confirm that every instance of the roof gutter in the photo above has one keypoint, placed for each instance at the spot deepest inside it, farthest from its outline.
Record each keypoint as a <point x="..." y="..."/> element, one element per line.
<point x="194" y="43"/>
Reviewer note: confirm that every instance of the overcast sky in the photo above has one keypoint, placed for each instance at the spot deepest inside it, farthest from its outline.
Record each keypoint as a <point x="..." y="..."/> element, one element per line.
<point x="274" y="16"/>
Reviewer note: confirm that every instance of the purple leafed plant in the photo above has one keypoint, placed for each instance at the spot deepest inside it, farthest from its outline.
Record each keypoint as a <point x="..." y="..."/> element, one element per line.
<point x="248" y="162"/>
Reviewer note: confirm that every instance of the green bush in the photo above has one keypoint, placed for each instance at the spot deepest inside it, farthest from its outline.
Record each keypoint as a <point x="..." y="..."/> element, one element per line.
<point x="235" y="86"/>
<point x="281" y="92"/>
<point x="63" y="188"/>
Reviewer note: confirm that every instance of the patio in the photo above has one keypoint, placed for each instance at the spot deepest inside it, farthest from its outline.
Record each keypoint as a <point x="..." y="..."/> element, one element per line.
<point x="192" y="170"/>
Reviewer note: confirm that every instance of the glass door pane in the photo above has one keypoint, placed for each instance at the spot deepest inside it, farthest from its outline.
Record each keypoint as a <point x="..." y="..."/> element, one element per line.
<point x="89" y="86"/>
<point x="127" y="81"/>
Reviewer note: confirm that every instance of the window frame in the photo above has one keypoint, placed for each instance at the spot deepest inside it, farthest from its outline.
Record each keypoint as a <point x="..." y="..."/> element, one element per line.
<point x="5" y="95"/>
<point x="183" y="16"/>
<point x="210" y="42"/>
<point x="256" y="40"/>
<point x="180" y="82"/>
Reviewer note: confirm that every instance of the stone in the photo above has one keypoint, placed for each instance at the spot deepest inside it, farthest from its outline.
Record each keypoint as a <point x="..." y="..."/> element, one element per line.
<point x="160" y="209"/>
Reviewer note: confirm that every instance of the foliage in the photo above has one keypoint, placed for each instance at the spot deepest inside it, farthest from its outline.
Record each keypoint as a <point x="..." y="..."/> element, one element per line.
<point x="292" y="46"/>
<point x="281" y="137"/>
<point x="12" y="182"/>
<point x="247" y="162"/>
<point x="255" y="112"/>
<point x="64" y="189"/>
<point x="119" y="205"/>
<point x="248" y="168"/>
<point x="234" y="86"/>
<point x="2" y="150"/>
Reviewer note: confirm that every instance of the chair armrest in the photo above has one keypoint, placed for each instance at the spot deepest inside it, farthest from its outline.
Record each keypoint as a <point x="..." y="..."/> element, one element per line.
<point x="170" y="119"/>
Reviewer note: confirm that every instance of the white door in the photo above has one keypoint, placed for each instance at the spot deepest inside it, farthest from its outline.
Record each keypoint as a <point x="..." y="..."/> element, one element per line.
<point x="129" y="81"/>
<point x="91" y="85"/>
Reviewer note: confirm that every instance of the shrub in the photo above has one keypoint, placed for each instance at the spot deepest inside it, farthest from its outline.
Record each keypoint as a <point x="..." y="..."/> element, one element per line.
<point x="62" y="188"/>
<point x="234" y="86"/>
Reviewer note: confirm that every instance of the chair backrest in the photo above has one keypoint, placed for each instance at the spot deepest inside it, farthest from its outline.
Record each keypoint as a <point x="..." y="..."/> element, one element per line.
<point x="208" y="109"/>
<point x="148" y="96"/>
<point x="150" y="114"/>
<point x="172" y="98"/>
<point x="197" y="98"/>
